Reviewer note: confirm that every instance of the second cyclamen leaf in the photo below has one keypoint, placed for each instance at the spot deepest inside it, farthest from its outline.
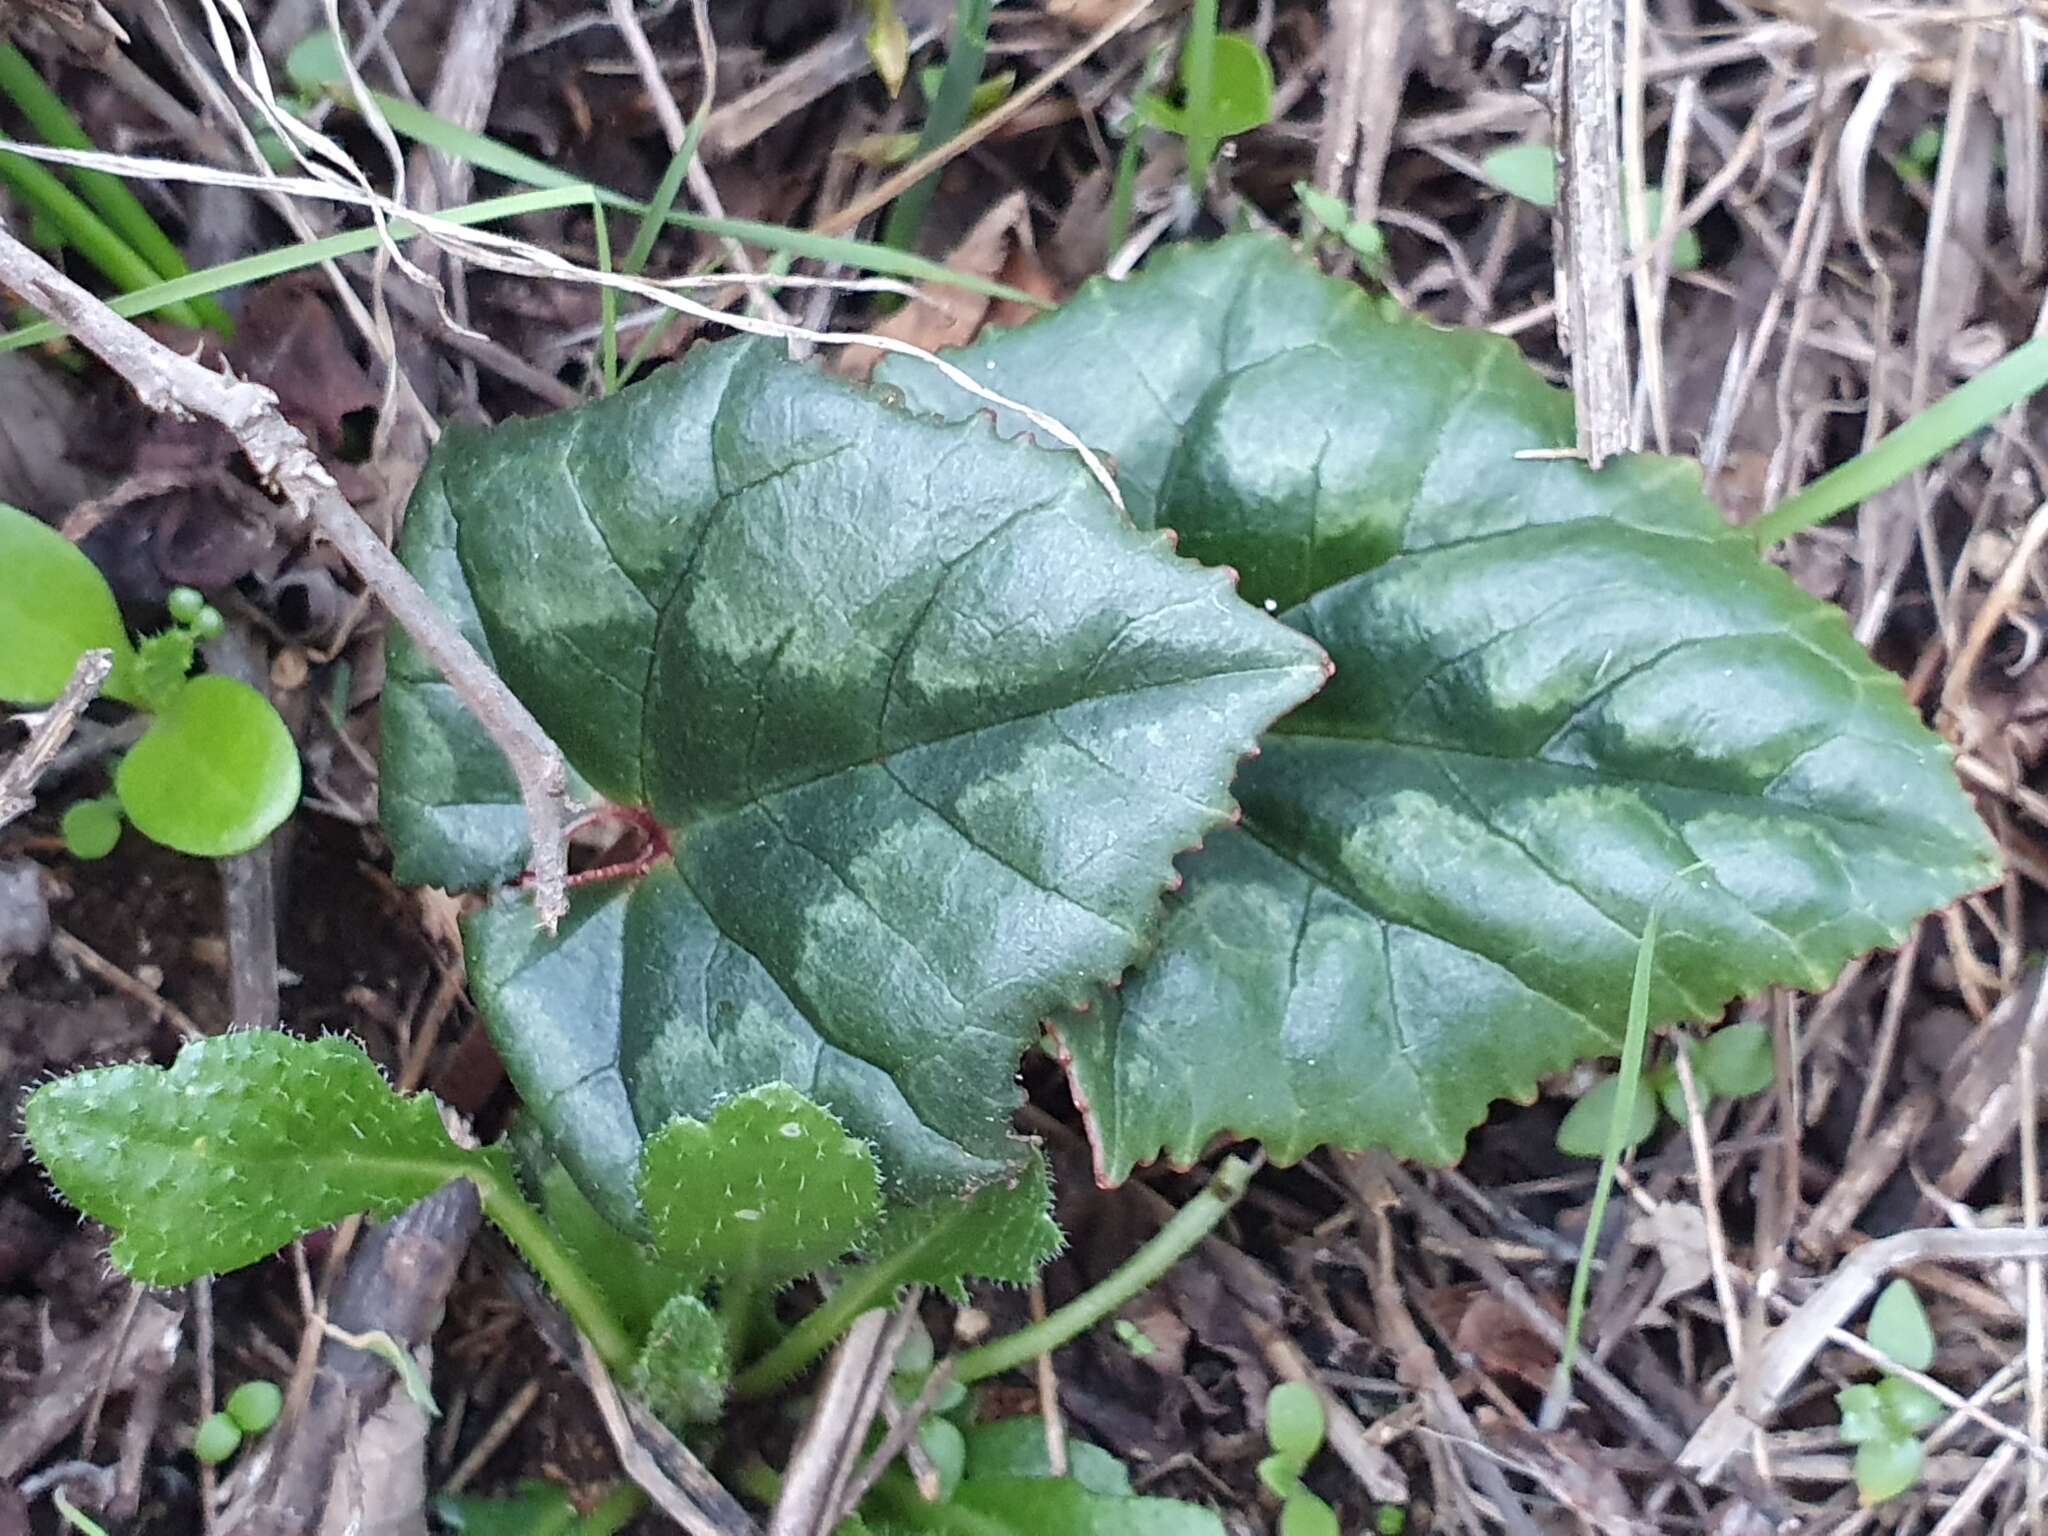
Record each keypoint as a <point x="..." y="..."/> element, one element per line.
<point x="1556" y="690"/>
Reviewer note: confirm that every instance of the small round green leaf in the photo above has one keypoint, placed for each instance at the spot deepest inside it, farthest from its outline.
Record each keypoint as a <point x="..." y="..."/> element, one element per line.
<point x="1294" y="1421"/>
<point x="183" y="604"/>
<point x="216" y="1440"/>
<point x="1864" y="1417"/>
<point x="1240" y="90"/>
<point x="255" y="1405"/>
<point x="914" y="1359"/>
<point x="947" y="1448"/>
<point x="1887" y="1467"/>
<point x="91" y="828"/>
<point x="1583" y="1131"/>
<point x="54" y="607"/>
<point x="1281" y="1475"/>
<point x="1527" y="171"/>
<point x="1307" y="1515"/>
<point x="1898" y="1326"/>
<point x="216" y="773"/>
<point x="1736" y="1061"/>
<point x="1909" y="1406"/>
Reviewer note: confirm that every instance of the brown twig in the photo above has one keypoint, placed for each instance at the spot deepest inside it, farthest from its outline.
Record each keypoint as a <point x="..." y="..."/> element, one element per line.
<point x="181" y="386"/>
<point x="51" y="730"/>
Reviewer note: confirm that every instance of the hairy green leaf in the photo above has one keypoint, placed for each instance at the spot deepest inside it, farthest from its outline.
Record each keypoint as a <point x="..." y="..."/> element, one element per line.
<point x="922" y="720"/>
<point x="216" y="772"/>
<point x="54" y="607"/>
<point x="683" y="1371"/>
<point x="1555" y="690"/>
<point x="769" y="1188"/>
<point x="243" y="1143"/>
<point x="1002" y="1232"/>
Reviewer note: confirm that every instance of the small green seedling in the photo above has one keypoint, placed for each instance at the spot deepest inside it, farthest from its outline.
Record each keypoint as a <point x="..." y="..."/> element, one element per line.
<point x="1922" y="153"/>
<point x="1529" y="171"/>
<point x="1884" y="1419"/>
<point x="1731" y="1063"/>
<point x="1362" y="235"/>
<point x="1226" y="88"/>
<point x="251" y="1409"/>
<point x="216" y="771"/>
<point x="1294" y="1429"/>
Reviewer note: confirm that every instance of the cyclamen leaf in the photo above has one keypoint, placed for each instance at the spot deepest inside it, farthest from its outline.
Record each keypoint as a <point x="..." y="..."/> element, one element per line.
<point x="770" y="1188"/>
<point x="1555" y="690"/>
<point x="923" y="718"/>
<point x="683" y="1371"/>
<point x="243" y="1143"/>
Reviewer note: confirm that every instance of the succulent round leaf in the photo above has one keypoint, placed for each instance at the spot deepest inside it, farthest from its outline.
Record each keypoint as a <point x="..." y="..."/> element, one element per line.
<point x="922" y="719"/>
<point x="54" y="607"/>
<point x="1736" y="1060"/>
<point x="1556" y="689"/>
<point x="1583" y="1131"/>
<point x="243" y="1143"/>
<point x="216" y="772"/>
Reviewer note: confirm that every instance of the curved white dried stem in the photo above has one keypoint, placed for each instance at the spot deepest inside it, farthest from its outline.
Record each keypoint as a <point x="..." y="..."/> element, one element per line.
<point x="505" y="253"/>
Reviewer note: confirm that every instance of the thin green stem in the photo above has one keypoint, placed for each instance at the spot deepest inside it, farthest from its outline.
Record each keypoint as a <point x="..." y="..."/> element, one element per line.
<point x="580" y="1295"/>
<point x="1123" y="191"/>
<point x="107" y="193"/>
<point x="1914" y="442"/>
<point x="863" y="1290"/>
<point x="1190" y="1224"/>
<point x="965" y="59"/>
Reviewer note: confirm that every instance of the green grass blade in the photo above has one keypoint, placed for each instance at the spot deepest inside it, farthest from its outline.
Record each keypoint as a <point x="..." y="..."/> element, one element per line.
<point x="664" y="201"/>
<point x="1630" y="1078"/>
<point x="607" y="301"/>
<point x="85" y="231"/>
<point x="106" y="193"/>
<point x="965" y="59"/>
<point x="293" y="258"/>
<point x="1198" y="76"/>
<point x="487" y="153"/>
<point x="1916" y="441"/>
